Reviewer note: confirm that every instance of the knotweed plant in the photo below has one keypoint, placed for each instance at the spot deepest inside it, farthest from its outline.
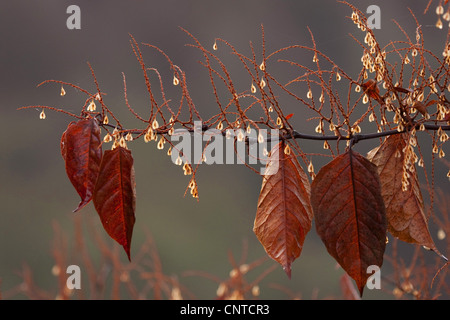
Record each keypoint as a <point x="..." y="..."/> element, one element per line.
<point x="398" y="98"/>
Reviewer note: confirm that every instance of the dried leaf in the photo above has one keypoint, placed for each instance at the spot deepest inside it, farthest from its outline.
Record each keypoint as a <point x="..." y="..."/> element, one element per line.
<point x="350" y="214"/>
<point x="82" y="153"/>
<point x="370" y="87"/>
<point x="284" y="213"/>
<point x="115" y="195"/>
<point x="404" y="209"/>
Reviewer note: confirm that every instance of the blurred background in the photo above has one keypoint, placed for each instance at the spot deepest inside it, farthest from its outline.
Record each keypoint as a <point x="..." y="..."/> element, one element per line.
<point x="35" y="194"/>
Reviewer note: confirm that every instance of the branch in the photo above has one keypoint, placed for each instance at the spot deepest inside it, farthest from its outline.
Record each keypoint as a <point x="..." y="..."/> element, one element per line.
<point x="355" y="137"/>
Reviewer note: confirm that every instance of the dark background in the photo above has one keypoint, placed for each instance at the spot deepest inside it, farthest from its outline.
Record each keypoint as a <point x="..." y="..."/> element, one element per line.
<point x="34" y="191"/>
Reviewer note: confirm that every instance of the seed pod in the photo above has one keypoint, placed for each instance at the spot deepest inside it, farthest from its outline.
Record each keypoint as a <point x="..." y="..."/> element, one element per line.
<point x="107" y="138"/>
<point x="122" y="142"/>
<point x="287" y="150"/>
<point x="365" y="98"/>
<point x="240" y="136"/>
<point x="260" y="138"/>
<point x="279" y="122"/>
<point x="175" y="80"/>
<point x="187" y="169"/>
<point x="262" y="66"/>
<point x="155" y="124"/>
<point x="220" y="126"/>
<point x="310" y="168"/>
<point x="92" y="106"/>
<point x="262" y="83"/>
<point x="160" y="145"/>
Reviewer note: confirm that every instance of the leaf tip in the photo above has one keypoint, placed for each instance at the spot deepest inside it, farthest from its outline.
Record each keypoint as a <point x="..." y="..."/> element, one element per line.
<point x="126" y="247"/>
<point x="361" y="289"/>
<point x="81" y="205"/>
<point x="287" y="269"/>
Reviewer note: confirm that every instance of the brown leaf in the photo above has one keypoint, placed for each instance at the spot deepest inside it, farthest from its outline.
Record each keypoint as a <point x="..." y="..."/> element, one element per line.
<point x="350" y="214"/>
<point x="422" y="107"/>
<point x="284" y="213"/>
<point x="371" y="88"/>
<point x="82" y="153"/>
<point x="115" y="195"/>
<point x="404" y="209"/>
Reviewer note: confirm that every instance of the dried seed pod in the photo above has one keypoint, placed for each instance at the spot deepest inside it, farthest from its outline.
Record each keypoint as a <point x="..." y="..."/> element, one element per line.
<point x="310" y="167"/>
<point x="160" y="145"/>
<point x="187" y="169"/>
<point x="155" y="124"/>
<point x="287" y="150"/>
<point x="220" y="126"/>
<point x="175" y="80"/>
<point x="262" y="66"/>
<point x="365" y="98"/>
<point x="92" y="106"/>
<point x="439" y="24"/>
<point x="262" y="83"/>
<point x="107" y="138"/>
<point x="260" y="138"/>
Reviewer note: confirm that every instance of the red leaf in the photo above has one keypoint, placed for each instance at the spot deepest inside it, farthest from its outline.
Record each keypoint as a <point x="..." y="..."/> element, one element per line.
<point x="284" y="213"/>
<point x="289" y="116"/>
<point x="115" y="195"/>
<point x="82" y="153"/>
<point x="348" y="288"/>
<point x="404" y="209"/>
<point x="370" y="87"/>
<point x="350" y="214"/>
